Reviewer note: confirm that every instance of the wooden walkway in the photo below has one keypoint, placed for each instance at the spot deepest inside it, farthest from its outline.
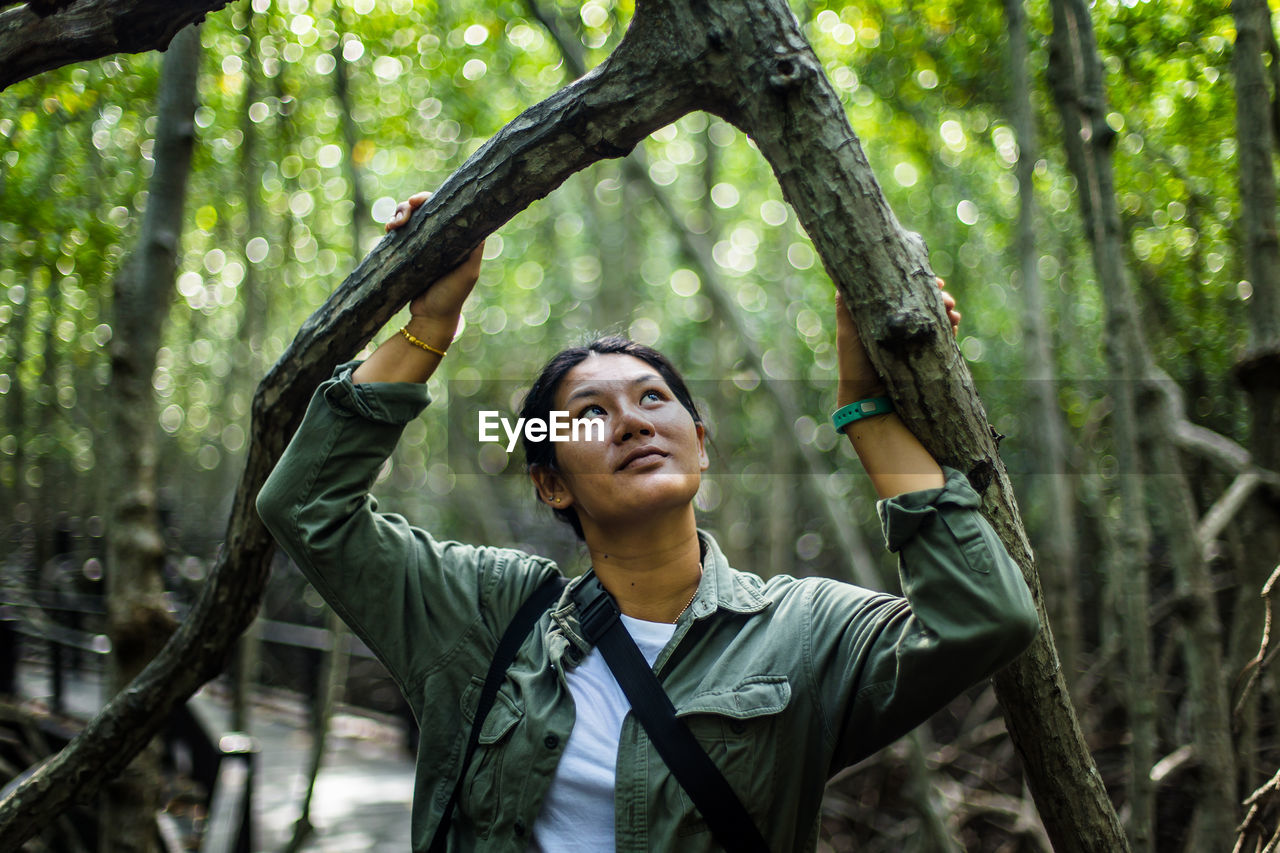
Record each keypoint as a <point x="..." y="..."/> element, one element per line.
<point x="364" y="791"/>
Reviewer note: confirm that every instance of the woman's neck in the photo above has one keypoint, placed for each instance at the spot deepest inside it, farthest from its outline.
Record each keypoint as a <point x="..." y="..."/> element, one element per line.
<point x="652" y="570"/>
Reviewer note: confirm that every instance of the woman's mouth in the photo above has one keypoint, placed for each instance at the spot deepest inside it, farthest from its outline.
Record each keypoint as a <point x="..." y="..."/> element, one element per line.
<point x="641" y="457"/>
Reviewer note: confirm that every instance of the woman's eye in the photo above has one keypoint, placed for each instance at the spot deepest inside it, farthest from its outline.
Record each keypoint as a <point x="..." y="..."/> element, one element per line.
<point x="591" y="411"/>
<point x="657" y="395"/>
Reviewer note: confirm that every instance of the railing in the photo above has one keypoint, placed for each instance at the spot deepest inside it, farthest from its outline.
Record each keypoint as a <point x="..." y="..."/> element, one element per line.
<point x="221" y="764"/>
<point x="60" y="624"/>
<point x="230" y="822"/>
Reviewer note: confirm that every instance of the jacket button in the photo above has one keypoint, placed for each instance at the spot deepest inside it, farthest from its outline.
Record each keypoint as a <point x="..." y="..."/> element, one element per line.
<point x="551" y="741"/>
<point x="737" y="727"/>
<point x="519" y="827"/>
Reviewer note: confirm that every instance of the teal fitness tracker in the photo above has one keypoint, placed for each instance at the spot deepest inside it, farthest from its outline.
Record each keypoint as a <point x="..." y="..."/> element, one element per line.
<point x="860" y="409"/>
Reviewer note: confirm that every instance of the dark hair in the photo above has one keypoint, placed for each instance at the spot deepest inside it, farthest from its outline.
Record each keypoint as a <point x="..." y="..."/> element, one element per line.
<point x="540" y="399"/>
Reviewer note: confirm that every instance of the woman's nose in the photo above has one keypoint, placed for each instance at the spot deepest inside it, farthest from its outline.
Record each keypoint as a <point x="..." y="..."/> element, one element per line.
<point x="631" y="422"/>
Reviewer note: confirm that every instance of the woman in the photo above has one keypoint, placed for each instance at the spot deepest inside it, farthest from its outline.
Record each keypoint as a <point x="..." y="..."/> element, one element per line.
<point x="783" y="681"/>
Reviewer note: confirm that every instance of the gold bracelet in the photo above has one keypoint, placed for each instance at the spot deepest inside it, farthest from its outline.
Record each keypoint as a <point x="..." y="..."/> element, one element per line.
<point x="408" y="336"/>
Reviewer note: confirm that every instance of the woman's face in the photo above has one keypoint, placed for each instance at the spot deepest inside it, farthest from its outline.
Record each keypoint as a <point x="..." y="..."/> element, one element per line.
<point x="652" y="455"/>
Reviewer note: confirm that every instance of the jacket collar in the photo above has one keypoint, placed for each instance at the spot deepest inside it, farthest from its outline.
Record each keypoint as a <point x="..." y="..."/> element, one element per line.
<point x="722" y="588"/>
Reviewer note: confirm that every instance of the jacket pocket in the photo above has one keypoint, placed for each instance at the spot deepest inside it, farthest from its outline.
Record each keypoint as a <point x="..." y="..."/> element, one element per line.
<point x="970" y="531"/>
<point x="740" y="728"/>
<point x="482" y="789"/>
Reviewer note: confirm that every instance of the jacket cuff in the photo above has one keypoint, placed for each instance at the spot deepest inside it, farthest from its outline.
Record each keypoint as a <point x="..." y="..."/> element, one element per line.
<point x="394" y="403"/>
<point x="903" y="515"/>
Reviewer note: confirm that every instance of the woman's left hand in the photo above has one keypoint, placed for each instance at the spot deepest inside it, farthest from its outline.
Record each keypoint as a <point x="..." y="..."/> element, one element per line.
<point x="858" y="377"/>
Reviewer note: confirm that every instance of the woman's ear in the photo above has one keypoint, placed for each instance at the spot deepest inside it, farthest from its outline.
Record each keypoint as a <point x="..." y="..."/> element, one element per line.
<point x="551" y="488"/>
<point x="704" y="462"/>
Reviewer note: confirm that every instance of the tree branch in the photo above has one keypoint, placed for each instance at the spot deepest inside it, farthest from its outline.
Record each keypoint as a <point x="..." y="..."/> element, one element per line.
<point x="1220" y="450"/>
<point x="1218" y="516"/>
<point x="1260" y="802"/>
<point x="33" y="41"/>
<point x="1254" y="667"/>
<point x="639" y="89"/>
<point x="1213" y="446"/>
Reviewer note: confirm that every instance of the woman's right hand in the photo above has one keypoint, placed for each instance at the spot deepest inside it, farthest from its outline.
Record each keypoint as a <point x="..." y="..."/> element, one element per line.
<point x="443" y="300"/>
<point x="405" y="209"/>
<point x="436" y="312"/>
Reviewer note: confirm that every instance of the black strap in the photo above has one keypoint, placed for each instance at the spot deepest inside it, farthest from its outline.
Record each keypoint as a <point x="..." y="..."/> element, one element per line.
<point x="730" y="824"/>
<point x="512" y="639"/>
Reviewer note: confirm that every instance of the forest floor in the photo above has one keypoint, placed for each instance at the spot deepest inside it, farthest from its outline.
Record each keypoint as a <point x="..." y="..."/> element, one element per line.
<point x="365" y="787"/>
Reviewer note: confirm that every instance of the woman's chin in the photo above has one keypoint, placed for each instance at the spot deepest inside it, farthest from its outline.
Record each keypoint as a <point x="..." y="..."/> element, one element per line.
<point x="657" y="499"/>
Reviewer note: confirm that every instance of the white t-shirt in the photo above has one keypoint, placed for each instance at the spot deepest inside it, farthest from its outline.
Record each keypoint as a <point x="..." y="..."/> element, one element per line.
<point x="577" y="813"/>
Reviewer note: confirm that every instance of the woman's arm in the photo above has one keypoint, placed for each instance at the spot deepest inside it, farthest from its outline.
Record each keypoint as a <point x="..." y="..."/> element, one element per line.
<point x="410" y="597"/>
<point x="884" y="664"/>
<point x="890" y="662"/>
<point x="893" y="457"/>
<point x="433" y="318"/>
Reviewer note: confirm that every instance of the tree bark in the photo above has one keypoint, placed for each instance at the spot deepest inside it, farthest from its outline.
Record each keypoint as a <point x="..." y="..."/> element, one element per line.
<point x="31" y="43"/>
<point x="1047" y="441"/>
<point x="744" y="60"/>
<point x="138" y="620"/>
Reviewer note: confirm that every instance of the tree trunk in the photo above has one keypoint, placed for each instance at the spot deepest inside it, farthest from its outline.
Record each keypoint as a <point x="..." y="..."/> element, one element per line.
<point x="1202" y="642"/>
<point x="253" y="324"/>
<point x="1146" y="456"/>
<point x="1047" y="440"/>
<point x="1077" y="88"/>
<point x="46" y="487"/>
<point x="1259" y="370"/>
<point x="799" y="125"/>
<point x="27" y="490"/>
<point x="745" y="60"/>
<point x="333" y="673"/>
<point x="254" y="321"/>
<point x="286" y="138"/>
<point x="350" y="136"/>
<point x="138" y="620"/>
<point x="15" y="467"/>
<point x="1256" y="147"/>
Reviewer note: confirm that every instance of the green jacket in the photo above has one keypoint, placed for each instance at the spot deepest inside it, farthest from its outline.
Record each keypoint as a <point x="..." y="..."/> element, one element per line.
<point x="785" y="680"/>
